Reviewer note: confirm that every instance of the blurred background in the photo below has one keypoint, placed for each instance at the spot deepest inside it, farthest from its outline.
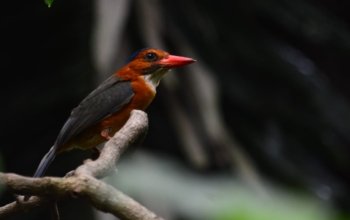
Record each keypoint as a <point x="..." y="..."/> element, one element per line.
<point x="257" y="129"/>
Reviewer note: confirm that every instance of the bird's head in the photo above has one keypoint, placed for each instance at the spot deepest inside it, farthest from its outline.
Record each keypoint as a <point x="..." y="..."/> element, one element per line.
<point x="154" y="63"/>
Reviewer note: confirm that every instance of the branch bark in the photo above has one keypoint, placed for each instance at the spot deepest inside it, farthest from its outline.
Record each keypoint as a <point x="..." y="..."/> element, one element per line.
<point x="84" y="183"/>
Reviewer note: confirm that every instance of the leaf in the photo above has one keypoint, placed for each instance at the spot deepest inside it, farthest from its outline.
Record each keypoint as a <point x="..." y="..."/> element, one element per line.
<point x="48" y="3"/>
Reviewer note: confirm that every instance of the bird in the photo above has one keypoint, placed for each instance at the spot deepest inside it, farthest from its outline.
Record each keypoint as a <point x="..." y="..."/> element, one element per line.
<point x="107" y="108"/>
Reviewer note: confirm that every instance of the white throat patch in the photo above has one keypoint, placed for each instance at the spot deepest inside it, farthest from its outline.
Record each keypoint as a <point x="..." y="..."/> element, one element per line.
<point x="154" y="78"/>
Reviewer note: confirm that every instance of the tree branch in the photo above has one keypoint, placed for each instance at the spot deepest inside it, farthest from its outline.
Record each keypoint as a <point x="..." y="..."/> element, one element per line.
<point x="83" y="182"/>
<point x="135" y="127"/>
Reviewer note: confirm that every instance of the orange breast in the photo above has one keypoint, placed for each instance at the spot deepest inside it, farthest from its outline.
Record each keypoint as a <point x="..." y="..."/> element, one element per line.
<point x="143" y="96"/>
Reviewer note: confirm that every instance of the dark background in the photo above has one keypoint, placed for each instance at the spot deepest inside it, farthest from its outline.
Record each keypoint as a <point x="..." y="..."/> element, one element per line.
<point x="270" y="88"/>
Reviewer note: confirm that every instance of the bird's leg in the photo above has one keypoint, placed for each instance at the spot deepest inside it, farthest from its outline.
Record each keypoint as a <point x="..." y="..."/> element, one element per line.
<point x="105" y="133"/>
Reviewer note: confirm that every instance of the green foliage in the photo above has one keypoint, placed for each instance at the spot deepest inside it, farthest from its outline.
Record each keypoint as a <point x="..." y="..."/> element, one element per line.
<point x="277" y="207"/>
<point x="48" y="3"/>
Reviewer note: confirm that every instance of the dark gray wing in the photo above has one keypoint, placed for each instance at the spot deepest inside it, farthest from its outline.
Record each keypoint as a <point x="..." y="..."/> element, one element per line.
<point x="106" y="99"/>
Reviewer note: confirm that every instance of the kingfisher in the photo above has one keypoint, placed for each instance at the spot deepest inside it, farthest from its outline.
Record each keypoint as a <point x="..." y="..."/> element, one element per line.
<point x="107" y="108"/>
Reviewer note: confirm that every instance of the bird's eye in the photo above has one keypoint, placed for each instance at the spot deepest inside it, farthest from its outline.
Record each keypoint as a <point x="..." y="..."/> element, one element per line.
<point x="151" y="56"/>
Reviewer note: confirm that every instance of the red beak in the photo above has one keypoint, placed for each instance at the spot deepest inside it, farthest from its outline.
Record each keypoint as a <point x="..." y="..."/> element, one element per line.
<point x="175" y="61"/>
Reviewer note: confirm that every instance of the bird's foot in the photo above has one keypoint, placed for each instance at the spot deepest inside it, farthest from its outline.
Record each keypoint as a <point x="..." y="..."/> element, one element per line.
<point x="105" y="133"/>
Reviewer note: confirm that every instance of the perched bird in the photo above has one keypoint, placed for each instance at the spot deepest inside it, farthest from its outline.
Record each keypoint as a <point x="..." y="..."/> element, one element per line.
<point x="106" y="109"/>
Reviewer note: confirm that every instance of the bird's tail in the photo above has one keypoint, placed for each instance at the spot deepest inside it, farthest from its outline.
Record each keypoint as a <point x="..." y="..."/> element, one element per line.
<point x="45" y="162"/>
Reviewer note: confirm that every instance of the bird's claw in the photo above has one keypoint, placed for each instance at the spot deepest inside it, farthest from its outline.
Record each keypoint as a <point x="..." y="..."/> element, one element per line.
<point x="105" y="133"/>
